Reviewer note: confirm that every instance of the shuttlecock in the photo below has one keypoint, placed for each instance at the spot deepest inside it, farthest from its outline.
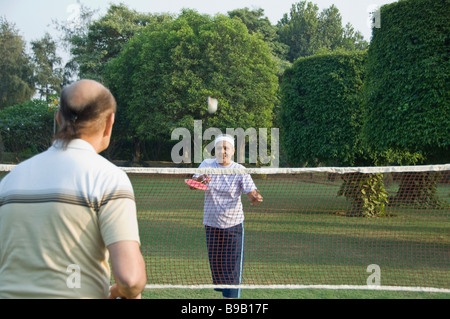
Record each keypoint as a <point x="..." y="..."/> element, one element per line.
<point x="212" y="105"/>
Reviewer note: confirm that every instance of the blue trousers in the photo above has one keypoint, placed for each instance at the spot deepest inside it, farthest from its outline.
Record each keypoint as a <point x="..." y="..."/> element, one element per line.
<point x="226" y="257"/>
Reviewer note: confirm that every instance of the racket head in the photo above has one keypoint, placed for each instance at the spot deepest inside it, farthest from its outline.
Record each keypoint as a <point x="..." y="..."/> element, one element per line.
<point x="196" y="184"/>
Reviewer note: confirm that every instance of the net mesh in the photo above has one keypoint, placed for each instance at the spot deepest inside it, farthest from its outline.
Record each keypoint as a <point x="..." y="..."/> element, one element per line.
<point x="385" y="227"/>
<point x="314" y="227"/>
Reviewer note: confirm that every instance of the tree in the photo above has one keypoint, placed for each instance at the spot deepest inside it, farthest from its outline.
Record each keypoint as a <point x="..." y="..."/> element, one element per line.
<point x="256" y="22"/>
<point x="322" y="110"/>
<point x="16" y="70"/>
<point x="306" y="31"/>
<point x="28" y="125"/>
<point x="407" y="87"/>
<point x="353" y="40"/>
<point x="329" y="31"/>
<point x="322" y="116"/>
<point x="94" y="42"/>
<point x="407" y="92"/>
<point x="165" y="74"/>
<point x="298" y="28"/>
<point x="73" y="36"/>
<point x="48" y="76"/>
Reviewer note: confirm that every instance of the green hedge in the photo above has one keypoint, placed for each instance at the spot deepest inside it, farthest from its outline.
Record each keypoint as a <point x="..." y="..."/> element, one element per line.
<point x="407" y="84"/>
<point x="27" y="127"/>
<point x="321" y="111"/>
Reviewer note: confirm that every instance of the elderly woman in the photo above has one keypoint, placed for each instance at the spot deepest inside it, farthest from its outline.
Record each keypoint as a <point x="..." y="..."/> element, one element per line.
<point x="224" y="216"/>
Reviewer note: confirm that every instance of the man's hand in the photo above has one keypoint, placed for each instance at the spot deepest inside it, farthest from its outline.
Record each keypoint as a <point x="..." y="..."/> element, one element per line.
<point x="128" y="269"/>
<point x="205" y="179"/>
<point x="115" y="294"/>
<point x="255" y="197"/>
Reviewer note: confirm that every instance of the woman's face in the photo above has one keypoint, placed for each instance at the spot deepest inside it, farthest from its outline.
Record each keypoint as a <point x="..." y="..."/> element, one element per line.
<point x="224" y="152"/>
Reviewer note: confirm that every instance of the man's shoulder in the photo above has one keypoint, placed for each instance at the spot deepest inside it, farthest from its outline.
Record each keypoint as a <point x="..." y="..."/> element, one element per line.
<point x="108" y="170"/>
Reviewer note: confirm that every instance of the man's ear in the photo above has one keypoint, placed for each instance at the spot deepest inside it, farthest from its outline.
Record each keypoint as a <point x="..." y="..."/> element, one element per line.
<point x="58" y="117"/>
<point x="109" y="124"/>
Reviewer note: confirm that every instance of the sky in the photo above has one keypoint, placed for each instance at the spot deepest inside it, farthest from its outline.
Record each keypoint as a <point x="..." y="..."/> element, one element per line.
<point x="34" y="18"/>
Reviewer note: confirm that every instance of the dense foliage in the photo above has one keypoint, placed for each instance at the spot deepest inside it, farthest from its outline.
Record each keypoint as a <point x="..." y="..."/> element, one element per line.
<point x="306" y="31"/>
<point x="337" y="104"/>
<point x="16" y="70"/>
<point x="407" y="85"/>
<point x="27" y="127"/>
<point x="164" y="75"/>
<point x="322" y="109"/>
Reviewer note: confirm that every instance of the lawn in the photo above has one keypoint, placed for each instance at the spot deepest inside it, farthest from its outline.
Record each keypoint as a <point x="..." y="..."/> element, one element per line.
<point x="300" y="235"/>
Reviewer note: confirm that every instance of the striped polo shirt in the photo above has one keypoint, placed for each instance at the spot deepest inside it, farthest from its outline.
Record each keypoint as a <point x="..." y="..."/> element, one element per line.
<point x="223" y="206"/>
<point x="58" y="212"/>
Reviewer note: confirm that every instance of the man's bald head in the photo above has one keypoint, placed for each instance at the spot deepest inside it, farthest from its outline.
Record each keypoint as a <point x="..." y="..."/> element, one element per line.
<point x="85" y="105"/>
<point x="86" y="96"/>
<point x="82" y="92"/>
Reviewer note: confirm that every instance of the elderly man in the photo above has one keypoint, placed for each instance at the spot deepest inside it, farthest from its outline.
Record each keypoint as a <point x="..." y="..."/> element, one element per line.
<point x="65" y="211"/>
<point x="224" y="216"/>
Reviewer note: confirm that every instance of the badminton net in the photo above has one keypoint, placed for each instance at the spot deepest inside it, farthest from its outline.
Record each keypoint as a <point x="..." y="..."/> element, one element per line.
<point x="369" y="227"/>
<point x="338" y="228"/>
